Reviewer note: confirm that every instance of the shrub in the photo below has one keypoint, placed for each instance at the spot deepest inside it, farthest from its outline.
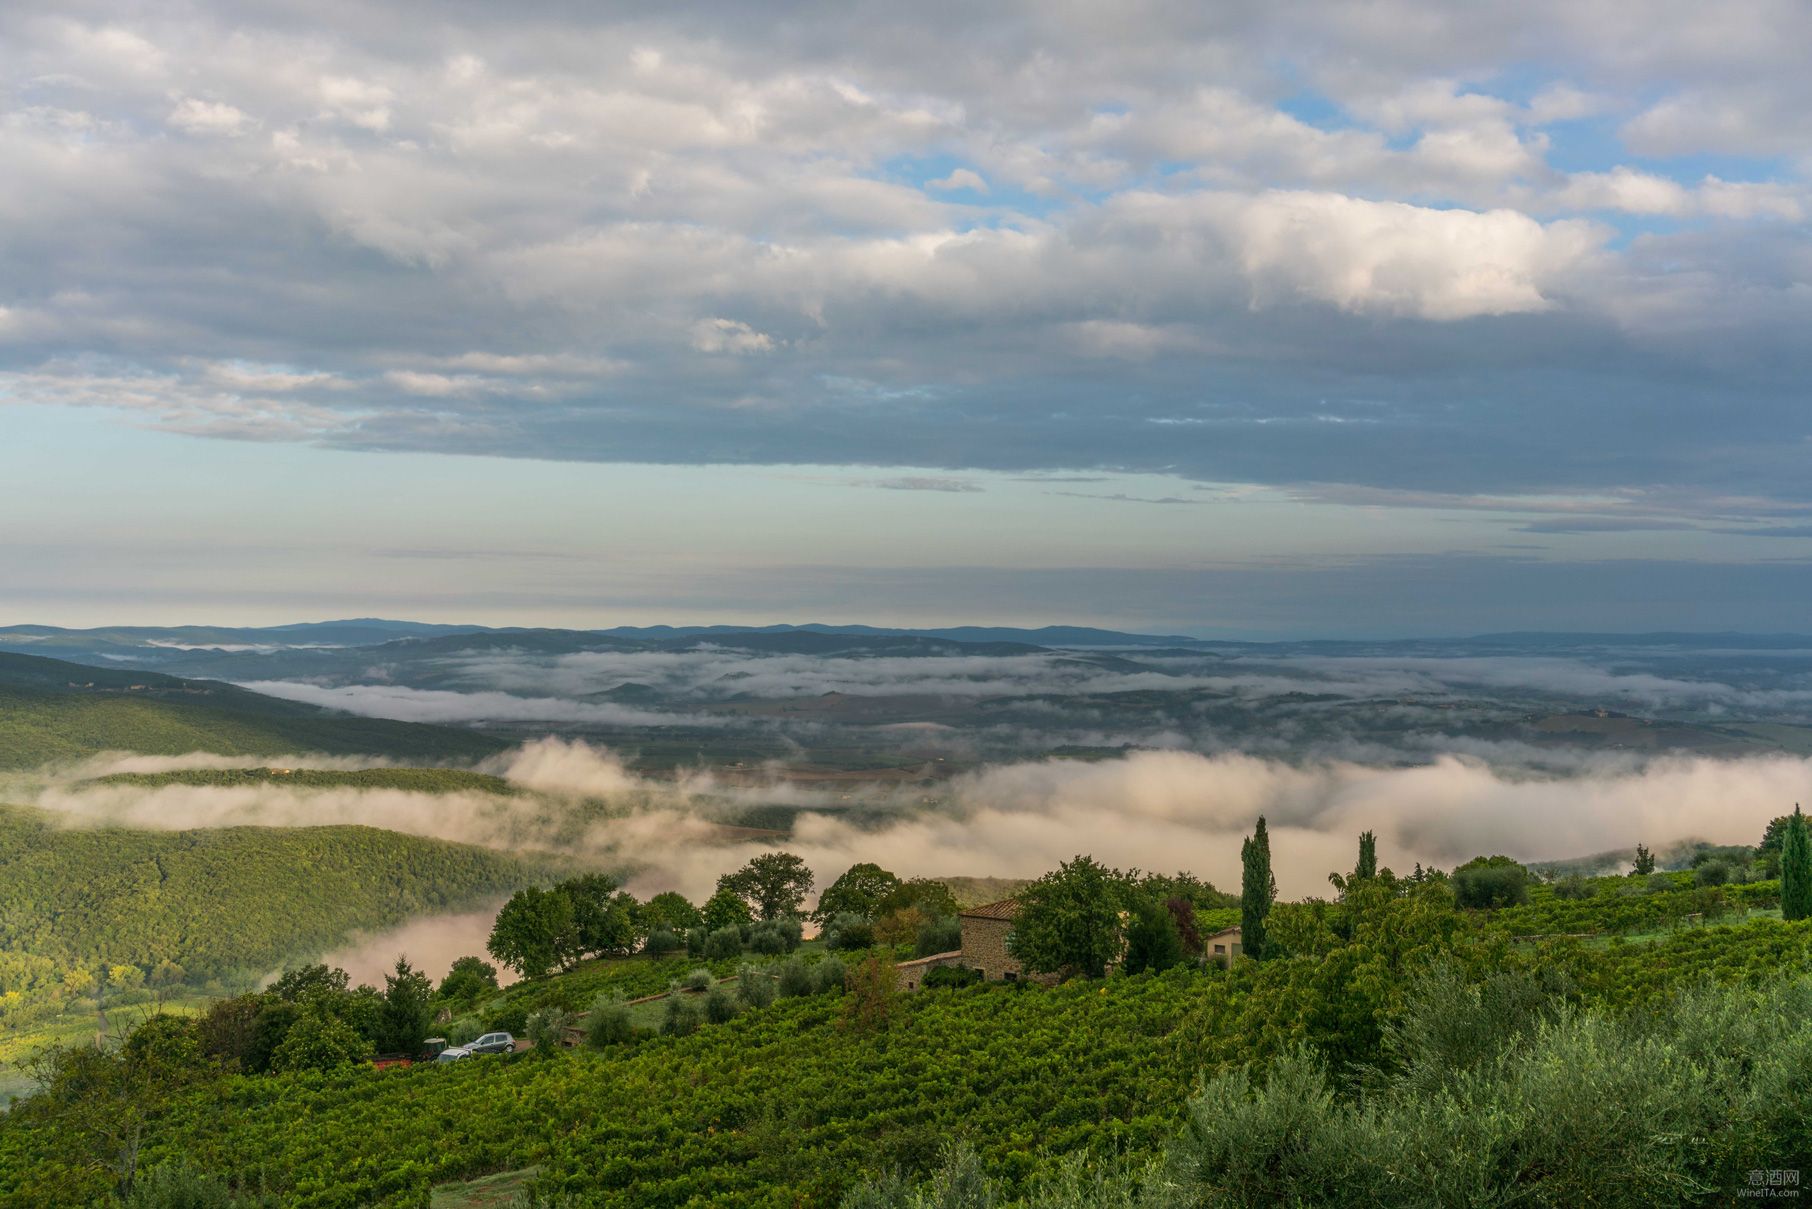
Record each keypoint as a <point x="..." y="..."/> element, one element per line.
<point x="829" y="975"/>
<point x="951" y="976"/>
<point x="682" y="1018"/>
<point x="1572" y="886"/>
<point x="697" y="980"/>
<point x="465" y="1029"/>
<point x="847" y="930"/>
<point x="941" y="935"/>
<point x="721" y="1006"/>
<point x="608" y="1023"/>
<point x="512" y="1019"/>
<point x="661" y="942"/>
<point x="766" y="940"/>
<point x="1712" y="873"/>
<point x="177" y="1185"/>
<point x="1491" y="885"/>
<point x="547" y="1030"/>
<point x="696" y="941"/>
<point x="754" y="987"/>
<point x="725" y="942"/>
<point x="796" y="979"/>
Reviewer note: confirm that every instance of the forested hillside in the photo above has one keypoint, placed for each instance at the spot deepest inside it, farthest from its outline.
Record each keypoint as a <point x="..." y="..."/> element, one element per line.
<point x="51" y="710"/>
<point x="194" y="906"/>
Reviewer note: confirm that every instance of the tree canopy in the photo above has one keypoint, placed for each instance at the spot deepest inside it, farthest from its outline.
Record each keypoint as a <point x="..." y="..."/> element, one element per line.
<point x="1069" y="920"/>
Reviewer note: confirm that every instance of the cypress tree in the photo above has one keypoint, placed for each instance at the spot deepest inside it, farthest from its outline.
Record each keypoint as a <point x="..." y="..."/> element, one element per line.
<point x="1368" y="856"/>
<point x="1258" y="889"/>
<point x="1796" y="869"/>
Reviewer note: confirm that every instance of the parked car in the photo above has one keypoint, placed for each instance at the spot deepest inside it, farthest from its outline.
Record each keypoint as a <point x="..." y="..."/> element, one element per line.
<point x="490" y="1043"/>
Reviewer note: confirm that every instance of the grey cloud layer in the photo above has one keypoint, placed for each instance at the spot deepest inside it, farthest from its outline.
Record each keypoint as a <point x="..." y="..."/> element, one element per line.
<point x="707" y="236"/>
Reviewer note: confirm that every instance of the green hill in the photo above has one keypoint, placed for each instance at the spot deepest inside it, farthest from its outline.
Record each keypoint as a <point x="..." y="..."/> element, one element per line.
<point x="217" y="903"/>
<point x="51" y="710"/>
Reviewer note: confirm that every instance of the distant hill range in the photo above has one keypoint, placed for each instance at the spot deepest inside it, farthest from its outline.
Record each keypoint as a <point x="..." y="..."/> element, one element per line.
<point x="327" y="647"/>
<point x="52" y="709"/>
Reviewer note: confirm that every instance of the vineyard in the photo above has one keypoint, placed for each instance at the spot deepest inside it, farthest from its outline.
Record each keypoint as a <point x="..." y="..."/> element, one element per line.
<point x="790" y="1104"/>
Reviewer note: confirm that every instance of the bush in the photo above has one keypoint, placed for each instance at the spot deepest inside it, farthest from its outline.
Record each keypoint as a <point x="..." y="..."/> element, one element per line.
<point x="319" y="1041"/>
<point x="608" y="1023"/>
<point x="1572" y="886"/>
<point x="720" y="1006"/>
<point x="847" y="930"/>
<point x="177" y="1185"/>
<point x="766" y="940"/>
<point x="512" y="1019"/>
<point x="682" y="1018"/>
<point x="951" y="976"/>
<point x="546" y="1030"/>
<point x="796" y="979"/>
<point x="696" y="941"/>
<point x="697" y="980"/>
<point x="1491" y="885"/>
<point x="661" y="942"/>
<point x="943" y="935"/>
<point x="829" y="975"/>
<point x="465" y="1029"/>
<point x="754" y="987"/>
<point x="725" y="942"/>
<point x="1712" y="873"/>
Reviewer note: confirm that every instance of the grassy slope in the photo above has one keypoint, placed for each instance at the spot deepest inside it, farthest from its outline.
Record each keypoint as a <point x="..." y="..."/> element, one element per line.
<point x="51" y="710"/>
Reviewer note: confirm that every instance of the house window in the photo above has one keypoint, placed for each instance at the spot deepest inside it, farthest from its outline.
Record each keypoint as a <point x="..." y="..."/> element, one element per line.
<point x="1220" y="948"/>
<point x="1010" y="976"/>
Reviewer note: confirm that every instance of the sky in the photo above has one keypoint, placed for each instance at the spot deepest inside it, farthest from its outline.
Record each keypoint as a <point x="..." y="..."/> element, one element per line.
<point x="1242" y="319"/>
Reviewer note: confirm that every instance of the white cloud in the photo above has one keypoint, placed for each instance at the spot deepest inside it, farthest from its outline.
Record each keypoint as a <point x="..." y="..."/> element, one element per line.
<point x="197" y="116"/>
<point x="960" y="178"/>
<point x="729" y="336"/>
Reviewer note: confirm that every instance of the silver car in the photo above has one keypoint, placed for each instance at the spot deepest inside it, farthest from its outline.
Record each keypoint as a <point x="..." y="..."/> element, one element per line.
<point x="490" y="1043"/>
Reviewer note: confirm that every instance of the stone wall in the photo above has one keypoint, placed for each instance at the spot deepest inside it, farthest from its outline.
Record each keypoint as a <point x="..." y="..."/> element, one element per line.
<point x="985" y="947"/>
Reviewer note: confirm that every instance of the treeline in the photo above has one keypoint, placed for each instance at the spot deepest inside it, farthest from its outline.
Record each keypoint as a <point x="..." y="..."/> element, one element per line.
<point x="80" y="908"/>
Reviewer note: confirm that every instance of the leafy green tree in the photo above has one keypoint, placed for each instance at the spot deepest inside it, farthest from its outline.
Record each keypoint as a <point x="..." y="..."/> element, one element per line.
<point x="407" y="1012"/>
<point x="1365" y="870"/>
<point x="927" y="895"/>
<point x="772" y="884"/>
<point x="726" y="909"/>
<point x="536" y="932"/>
<point x="1645" y="862"/>
<point x="671" y="910"/>
<point x="1491" y="881"/>
<point x="319" y="1040"/>
<point x="1258" y="890"/>
<point x="1069" y="920"/>
<point x="1152" y="942"/>
<point x="604" y="918"/>
<point x="1796" y="868"/>
<point x="467" y="979"/>
<point x="723" y="943"/>
<point x="859" y="891"/>
<point x="306" y="982"/>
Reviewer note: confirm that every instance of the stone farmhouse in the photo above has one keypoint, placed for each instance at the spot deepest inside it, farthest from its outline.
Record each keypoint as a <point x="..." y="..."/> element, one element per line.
<point x="985" y="931"/>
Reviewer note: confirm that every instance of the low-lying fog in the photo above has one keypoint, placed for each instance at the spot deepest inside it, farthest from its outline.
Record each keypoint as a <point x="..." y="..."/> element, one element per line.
<point x="1152" y="809"/>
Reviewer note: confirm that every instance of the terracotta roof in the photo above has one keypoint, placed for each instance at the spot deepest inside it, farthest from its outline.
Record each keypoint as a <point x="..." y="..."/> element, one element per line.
<point x="1006" y="908"/>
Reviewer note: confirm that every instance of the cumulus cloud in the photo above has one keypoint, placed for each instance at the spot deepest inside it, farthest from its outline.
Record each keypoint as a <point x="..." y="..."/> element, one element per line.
<point x="633" y="224"/>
